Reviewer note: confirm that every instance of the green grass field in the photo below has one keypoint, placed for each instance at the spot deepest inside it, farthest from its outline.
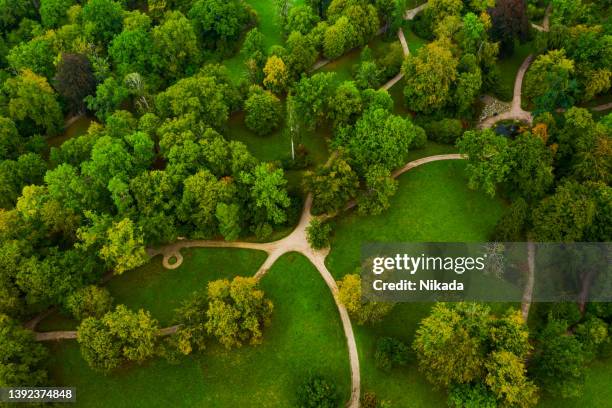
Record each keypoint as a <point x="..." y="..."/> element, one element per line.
<point x="433" y="204"/>
<point x="305" y="336"/>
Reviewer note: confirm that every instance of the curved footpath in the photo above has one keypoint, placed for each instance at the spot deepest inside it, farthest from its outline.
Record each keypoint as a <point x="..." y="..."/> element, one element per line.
<point x="294" y="242"/>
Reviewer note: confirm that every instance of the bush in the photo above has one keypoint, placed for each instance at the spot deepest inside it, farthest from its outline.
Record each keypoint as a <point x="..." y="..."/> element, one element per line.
<point x="420" y="138"/>
<point x="444" y="131"/>
<point x="318" y="233"/>
<point x="263" y="111"/>
<point x="391" y="63"/>
<point x="469" y="395"/>
<point x="90" y="301"/>
<point x="511" y="226"/>
<point x="390" y="352"/>
<point x="317" y="392"/>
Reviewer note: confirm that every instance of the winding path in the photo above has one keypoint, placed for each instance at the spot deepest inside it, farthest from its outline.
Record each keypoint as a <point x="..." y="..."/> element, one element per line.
<point x="516" y="112"/>
<point x="294" y="242"/>
<point x="411" y="14"/>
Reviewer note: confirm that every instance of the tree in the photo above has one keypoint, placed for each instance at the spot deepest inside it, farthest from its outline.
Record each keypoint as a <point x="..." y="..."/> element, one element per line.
<point x="268" y="192"/>
<point x="337" y="38"/>
<point x="311" y="97"/>
<point x="53" y="13"/>
<point x="489" y="158"/>
<point x="507" y="379"/>
<point x="345" y="104"/>
<point x="191" y="316"/>
<point x="332" y="185"/>
<point x="131" y="50"/>
<point x="16" y="174"/>
<point x="380" y="187"/>
<point x="390" y="352"/>
<point x="109" y="96"/>
<point x="559" y="361"/>
<point x="317" y="392"/>
<point x="276" y="74"/>
<point x="550" y="83"/>
<point x="302" y="53"/>
<point x="36" y="55"/>
<point x="378" y="138"/>
<point x="318" y="233"/>
<point x="118" y="337"/>
<point x="21" y="357"/>
<point x="228" y="217"/>
<point x="102" y="20"/>
<point x="349" y="294"/>
<point x="11" y="143"/>
<point x="301" y="18"/>
<point x="89" y="301"/>
<point x="455" y="343"/>
<point x="471" y="395"/>
<point x="532" y="172"/>
<point x="263" y="111"/>
<point x="237" y="311"/>
<point x="429" y="76"/>
<point x="33" y="99"/>
<point x="175" y="45"/>
<point x="75" y="79"/>
<point x="121" y="244"/>
<point x="218" y="22"/>
<point x="201" y="98"/>
<point x="509" y="22"/>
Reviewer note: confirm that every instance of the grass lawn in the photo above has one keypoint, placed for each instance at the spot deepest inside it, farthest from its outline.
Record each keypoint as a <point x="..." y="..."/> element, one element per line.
<point x="415" y="43"/>
<point x="433" y="204"/>
<point x="277" y="145"/>
<point x="509" y="67"/>
<point x="305" y="336"/>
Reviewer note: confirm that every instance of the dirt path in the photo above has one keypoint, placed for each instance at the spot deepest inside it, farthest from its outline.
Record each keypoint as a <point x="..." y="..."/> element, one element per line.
<point x="406" y="50"/>
<point x="411" y="14"/>
<point x="516" y="112"/>
<point x="545" y="27"/>
<point x="528" y="290"/>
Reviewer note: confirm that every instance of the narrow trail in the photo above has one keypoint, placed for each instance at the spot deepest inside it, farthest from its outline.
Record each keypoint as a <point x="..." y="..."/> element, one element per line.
<point x="411" y="14"/>
<point x="294" y="242"/>
<point x="528" y="290"/>
<point x="406" y="50"/>
<point x="545" y="27"/>
<point x="516" y="112"/>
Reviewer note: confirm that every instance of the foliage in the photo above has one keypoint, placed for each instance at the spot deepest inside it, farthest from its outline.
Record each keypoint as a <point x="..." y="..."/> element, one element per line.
<point x="349" y="294"/>
<point x="53" y="13"/>
<point x="276" y="74"/>
<point x="391" y="352"/>
<point x="509" y="18"/>
<point x="237" y="311"/>
<point x="317" y="392"/>
<point x="318" y="233"/>
<point x="379" y="188"/>
<point x="102" y="20"/>
<point x="31" y="98"/>
<point x="109" y="96"/>
<point x="263" y="111"/>
<point x="119" y="336"/>
<point x="89" y="301"/>
<point x="22" y="358"/>
<point x="75" y="79"/>
<point x="218" y="22"/>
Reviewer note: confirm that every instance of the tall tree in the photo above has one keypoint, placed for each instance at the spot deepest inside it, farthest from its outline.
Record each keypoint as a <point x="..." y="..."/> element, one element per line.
<point x="510" y="22"/>
<point x="75" y="79"/>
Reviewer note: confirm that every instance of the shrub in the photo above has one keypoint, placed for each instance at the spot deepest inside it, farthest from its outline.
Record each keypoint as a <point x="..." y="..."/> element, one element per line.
<point x="444" y="131"/>
<point x="318" y="233"/>
<point x="263" y="111"/>
<point x="90" y="301"/>
<point x="390" y="352"/>
<point x="317" y="392"/>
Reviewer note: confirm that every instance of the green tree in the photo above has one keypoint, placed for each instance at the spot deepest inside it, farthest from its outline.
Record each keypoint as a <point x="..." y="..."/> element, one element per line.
<point x="489" y="159"/>
<point x="276" y="74"/>
<point x="302" y="53"/>
<point x="429" y="76"/>
<point x="191" y="316"/>
<point x="532" y="172"/>
<point x="507" y="379"/>
<point x="263" y="111"/>
<point x="228" y="216"/>
<point x="345" y="105"/>
<point x="175" y="45"/>
<point x="53" y="13"/>
<point x="109" y="96"/>
<point x="22" y="358"/>
<point x="550" y="81"/>
<point x="510" y="22"/>
<point x="33" y="99"/>
<point x="311" y="98"/>
<point x="119" y="336"/>
<point x="349" y="294"/>
<point x="318" y="233"/>
<point x="89" y="301"/>
<point x="102" y="20"/>
<point x="11" y="143"/>
<point x="317" y="392"/>
<point x="301" y="18"/>
<point x="380" y="187"/>
<point x="36" y="55"/>
<point x="237" y="311"/>
<point x="390" y="352"/>
<point x="332" y="185"/>
<point x="131" y="50"/>
<point x="268" y="192"/>
<point x="218" y="22"/>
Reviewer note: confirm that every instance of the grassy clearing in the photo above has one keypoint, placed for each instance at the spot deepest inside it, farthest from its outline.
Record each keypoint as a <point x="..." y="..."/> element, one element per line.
<point x="433" y="204"/>
<point x="305" y="336"/>
<point x="277" y="145"/>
